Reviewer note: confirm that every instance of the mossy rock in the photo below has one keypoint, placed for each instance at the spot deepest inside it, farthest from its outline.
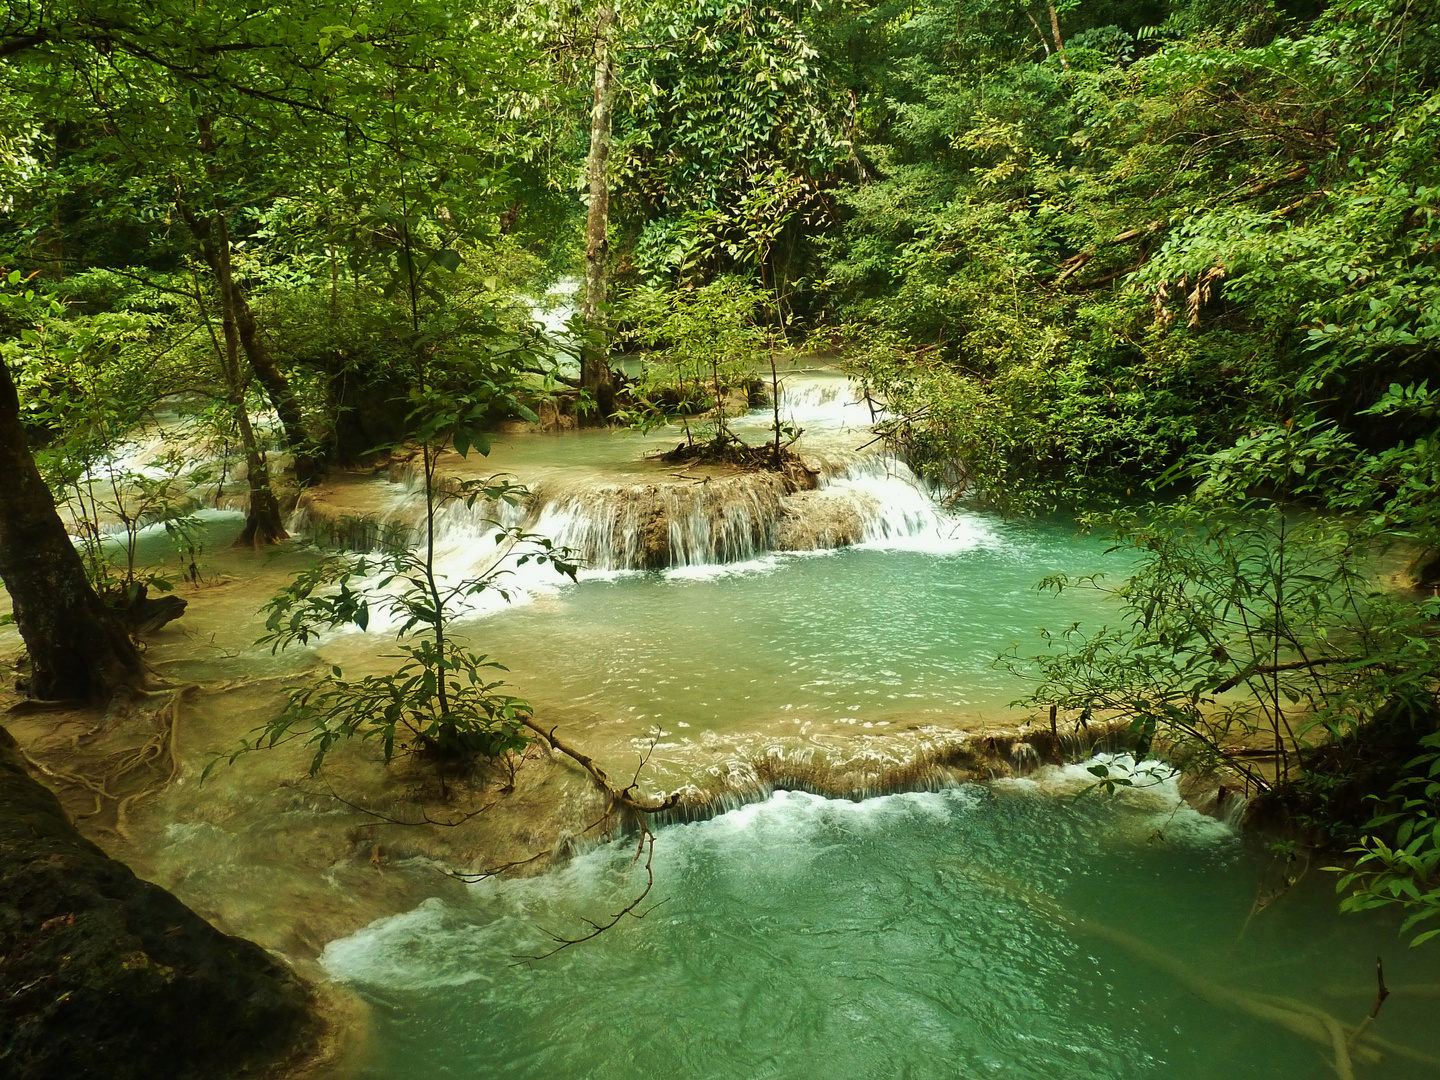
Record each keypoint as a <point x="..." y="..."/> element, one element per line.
<point x="105" y="975"/>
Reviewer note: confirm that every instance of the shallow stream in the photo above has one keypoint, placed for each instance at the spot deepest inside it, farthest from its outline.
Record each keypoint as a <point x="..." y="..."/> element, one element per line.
<point x="1007" y="930"/>
<point x="915" y="935"/>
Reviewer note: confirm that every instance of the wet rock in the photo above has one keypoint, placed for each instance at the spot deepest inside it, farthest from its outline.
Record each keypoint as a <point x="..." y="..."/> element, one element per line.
<point x="654" y="542"/>
<point x="105" y="975"/>
<point x="814" y="521"/>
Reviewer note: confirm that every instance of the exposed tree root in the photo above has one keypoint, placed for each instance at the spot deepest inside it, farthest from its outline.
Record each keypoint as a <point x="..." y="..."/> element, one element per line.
<point x="156" y="762"/>
<point x="425" y="819"/>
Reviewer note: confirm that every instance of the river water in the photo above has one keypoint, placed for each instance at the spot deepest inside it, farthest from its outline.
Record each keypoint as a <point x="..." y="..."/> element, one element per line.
<point x="1006" y="930"/>
<point x="948" y="933"/>
<point x="911" y="935"/>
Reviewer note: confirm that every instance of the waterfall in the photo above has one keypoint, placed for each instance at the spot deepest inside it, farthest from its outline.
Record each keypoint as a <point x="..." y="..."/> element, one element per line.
<point x="873" y="501"/>
<point x="828" y="402"/>
<point x="652" y="526"/>
<point x="613" y="521"/>
<point x="868" y="500"/>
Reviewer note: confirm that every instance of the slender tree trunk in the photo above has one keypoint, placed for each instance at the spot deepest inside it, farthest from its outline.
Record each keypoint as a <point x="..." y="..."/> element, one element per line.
<point x="1055" y="30"/>
<point x="78" y="648"/>
<point x="277" y="388"/>
<point x="1040" y="34"/>
<point x="595" y="374"/>
<point x="57" y="209"/>
<point x="215" y="247"/>
<point x="216" y="250"/>
<point x="264" y="524"/>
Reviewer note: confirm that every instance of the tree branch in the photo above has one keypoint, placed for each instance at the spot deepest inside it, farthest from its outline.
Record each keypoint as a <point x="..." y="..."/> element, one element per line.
<point x="621" y="796"/>
<point x="1073" y="264"/>
<point x="1272" y="669"/>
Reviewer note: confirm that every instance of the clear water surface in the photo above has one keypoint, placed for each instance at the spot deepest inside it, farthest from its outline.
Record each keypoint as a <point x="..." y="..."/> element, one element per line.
<point x="906" y="936"/>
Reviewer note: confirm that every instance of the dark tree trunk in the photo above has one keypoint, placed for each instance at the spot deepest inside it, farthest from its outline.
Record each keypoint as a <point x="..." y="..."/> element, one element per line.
<point x="216" y="252"/>
<point x="78" y="648"/>
<point x="595" y="374"/>
<point x="264" y="524"/>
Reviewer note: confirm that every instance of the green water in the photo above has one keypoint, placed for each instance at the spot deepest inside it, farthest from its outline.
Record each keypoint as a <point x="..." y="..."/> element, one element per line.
<point x="839" y="641"/>
<point x="820" y="401"/>
<point x="809" y="938"/>
<point x="852" y="638"/>
<point x="891" y="938"/>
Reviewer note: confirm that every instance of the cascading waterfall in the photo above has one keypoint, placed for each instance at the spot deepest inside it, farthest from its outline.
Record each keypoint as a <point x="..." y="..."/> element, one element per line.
<point x="872" y="500"/>
<point x="819" y="401"/>
<point x="111" y="480"/>
<point x="613" y="523"/>
<point x="643" y="527"/>
<point x="1011" y="930"/>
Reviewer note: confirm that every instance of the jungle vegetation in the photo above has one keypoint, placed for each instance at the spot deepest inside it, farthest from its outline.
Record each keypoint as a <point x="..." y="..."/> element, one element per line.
<point x="1167" y="264"/>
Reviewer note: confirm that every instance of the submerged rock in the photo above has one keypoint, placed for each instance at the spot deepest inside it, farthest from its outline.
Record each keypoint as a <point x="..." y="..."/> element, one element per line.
<point x="105" y="975"/>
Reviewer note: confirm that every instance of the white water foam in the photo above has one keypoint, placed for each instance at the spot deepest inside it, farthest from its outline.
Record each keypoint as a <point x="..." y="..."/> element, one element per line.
<point x="1153" y="789"/>
<point x="735" y="527"/>
<point x="732" y="526"/>
<point x="715" y="531"/>
<point x="435" y="946"/>
<point x="904" y="514"/>
<point x="553" y="310"/>
<point x="473" y="542"/>
<point x="818" y="403"/>
<point x="776" y="843"/>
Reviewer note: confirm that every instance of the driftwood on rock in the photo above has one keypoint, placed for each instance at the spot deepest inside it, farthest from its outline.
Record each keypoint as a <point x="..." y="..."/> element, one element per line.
<point x="145" y="613"/>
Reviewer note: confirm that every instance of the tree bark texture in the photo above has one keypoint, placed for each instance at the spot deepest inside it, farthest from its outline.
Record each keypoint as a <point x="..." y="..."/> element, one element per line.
<point x="78" y="648"/>
<point x="264" y="523"/>
<point x="1055" y="29"/>
<point x="595" y="374"/>
<point x="216" y="253"/>
<point x="105" y="975"/>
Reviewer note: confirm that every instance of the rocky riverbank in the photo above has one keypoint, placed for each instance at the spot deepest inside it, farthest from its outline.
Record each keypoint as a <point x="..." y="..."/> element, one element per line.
<point x="105" y="975"/>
